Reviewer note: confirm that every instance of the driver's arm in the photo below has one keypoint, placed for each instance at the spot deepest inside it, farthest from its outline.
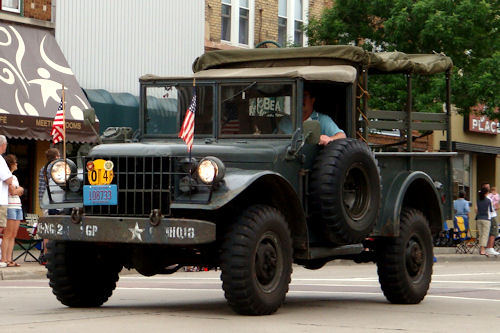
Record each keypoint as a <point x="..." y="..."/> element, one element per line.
<point x="329" y="130"/>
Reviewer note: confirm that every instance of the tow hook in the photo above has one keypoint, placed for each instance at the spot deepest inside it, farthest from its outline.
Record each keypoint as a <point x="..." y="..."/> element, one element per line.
<point x="155" y="217"/>
<point x="76" y="215"/>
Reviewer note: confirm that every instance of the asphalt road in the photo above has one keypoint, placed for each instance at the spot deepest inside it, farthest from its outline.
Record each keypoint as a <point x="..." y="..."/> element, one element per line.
<point x="337" y="298"/>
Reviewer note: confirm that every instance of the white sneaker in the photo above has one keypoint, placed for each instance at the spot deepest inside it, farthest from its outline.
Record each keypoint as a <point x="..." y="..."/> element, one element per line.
<point x="3" y="264"/>
<point x="491" y="252"/>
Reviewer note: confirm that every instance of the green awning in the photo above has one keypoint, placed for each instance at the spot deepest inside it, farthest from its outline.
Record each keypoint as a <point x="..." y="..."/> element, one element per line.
<point x="122" y="110"/>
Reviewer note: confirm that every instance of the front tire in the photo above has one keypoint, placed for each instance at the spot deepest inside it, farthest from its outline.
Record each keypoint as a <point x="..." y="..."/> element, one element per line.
<point x="81" y="274"/>
<point x="256" y="261"/>
<point x="405" y="263"/>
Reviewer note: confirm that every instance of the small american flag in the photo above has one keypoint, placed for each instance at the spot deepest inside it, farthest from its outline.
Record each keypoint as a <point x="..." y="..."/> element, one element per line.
<point x="187" y="130"/>
<point x="58" y="125"/>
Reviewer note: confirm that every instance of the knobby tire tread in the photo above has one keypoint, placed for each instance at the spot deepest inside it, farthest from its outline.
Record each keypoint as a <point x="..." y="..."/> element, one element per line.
<point x="236" y="274"/>
<point x="395" y="283"/>
<point x="76" y="284"/>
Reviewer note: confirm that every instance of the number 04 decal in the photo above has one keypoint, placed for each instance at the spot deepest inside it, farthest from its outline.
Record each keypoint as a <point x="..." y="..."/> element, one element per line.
<point x="100" y="172"/>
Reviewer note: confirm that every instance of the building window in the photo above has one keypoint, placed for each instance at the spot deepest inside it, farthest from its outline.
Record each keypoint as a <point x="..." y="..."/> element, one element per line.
<point x="292" y="16"/>
<point x="298" y="23"/>
<point x="282" y="20"/>
<point x="11" y="5"/>
<point x="225" y="32"/>
<point x="237" y="18"/>
<point x="244" y="16"/>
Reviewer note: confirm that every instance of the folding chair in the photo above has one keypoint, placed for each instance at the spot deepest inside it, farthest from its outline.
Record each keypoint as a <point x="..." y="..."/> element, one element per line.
<point x="464" y="243"/>
<point x="27" y="238"/>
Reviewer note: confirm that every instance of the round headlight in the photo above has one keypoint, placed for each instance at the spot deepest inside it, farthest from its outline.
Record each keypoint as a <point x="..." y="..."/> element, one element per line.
<point x="207" y="171"/>
<point x="61" y="170"/>
<point x="211" y="170"/>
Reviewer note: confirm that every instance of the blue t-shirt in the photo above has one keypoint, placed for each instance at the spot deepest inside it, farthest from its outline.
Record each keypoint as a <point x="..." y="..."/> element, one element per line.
<point x="327" y="125"/>
<point x="461" y="207"/>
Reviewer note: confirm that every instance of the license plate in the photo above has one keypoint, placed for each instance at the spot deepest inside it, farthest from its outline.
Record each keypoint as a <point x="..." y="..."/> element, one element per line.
<point x="103" y="195"/>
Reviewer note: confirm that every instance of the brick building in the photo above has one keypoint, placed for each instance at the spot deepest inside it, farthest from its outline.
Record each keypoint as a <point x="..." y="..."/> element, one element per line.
<point x="27" y="12"/>
<point x="246" y="23"/>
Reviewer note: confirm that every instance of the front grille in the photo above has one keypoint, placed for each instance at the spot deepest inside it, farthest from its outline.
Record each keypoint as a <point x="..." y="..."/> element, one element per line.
<point x="144" y="184"/>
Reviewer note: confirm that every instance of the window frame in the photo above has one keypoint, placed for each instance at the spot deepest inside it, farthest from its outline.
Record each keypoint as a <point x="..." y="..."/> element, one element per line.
<point x="11" y="9"/>
<point x="223" y="15"/>
<point x="293" y="106"/>
<point x="180" y="117"/>
<point x="234" y="34"/>
<point x="291" y="19"/>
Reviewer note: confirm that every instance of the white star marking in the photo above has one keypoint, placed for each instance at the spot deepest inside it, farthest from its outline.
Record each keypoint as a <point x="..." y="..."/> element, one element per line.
<point x="136" y="232"/>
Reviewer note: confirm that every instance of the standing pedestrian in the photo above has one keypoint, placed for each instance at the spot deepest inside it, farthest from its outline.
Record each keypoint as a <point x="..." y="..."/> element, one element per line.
<point x="14" y="214"/>
<point x="483" y="210"/>
<point x="461" y="206"/>
<point x="5" y="182"/>
<point x="493" y="223"/>
<point x="51" y="154"/>
<point x="490" y="250"/>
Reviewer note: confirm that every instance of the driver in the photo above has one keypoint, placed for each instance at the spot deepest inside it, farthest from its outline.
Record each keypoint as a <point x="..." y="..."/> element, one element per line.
<point x="329" y="130"/>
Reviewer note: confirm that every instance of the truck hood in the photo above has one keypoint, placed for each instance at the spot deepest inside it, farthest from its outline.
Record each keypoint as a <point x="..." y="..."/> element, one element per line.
<point x="249" y="151"/>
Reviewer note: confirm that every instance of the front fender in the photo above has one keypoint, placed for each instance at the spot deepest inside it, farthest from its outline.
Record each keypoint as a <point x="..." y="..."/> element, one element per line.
<point x="248" y="187"/>
<point x="409" y="189"/>
<point x="235" y="182"/>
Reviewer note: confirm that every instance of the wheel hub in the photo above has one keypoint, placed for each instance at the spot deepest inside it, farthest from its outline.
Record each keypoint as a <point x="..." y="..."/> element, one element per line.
<point x="356" y="193"/>
<point x="414" y="258"/>
<point x="266" y="263"/>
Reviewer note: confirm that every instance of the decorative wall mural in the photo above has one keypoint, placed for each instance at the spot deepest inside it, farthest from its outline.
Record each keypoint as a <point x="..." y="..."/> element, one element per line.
<point x="32" y="72"/>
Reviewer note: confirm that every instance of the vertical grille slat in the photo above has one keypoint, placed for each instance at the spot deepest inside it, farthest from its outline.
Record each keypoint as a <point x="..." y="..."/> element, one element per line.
<point x="143" y="185"/>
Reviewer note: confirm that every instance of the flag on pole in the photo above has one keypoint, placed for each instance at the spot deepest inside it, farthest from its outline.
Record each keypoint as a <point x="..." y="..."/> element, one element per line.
<point x="187" y="129"/>
<point x="58" y="125"/>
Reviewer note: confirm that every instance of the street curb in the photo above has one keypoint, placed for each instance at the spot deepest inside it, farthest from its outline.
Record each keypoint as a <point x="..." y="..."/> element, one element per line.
<point x="36" y="273"/>
<point x="10" y="273"/>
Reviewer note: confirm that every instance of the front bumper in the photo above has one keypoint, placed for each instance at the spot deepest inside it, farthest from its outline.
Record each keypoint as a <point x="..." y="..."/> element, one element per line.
<point x="170" y="231"/>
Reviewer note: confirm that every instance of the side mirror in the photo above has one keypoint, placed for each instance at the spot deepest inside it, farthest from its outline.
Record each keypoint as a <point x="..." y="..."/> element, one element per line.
<point x="89" y="120"/>
<point x="312" y="131"/>
<point x="89" y="117"/>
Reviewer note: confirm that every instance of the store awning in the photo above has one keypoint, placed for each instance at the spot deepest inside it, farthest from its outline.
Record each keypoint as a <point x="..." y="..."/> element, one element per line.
<point x="470" y="147"/>
<point x="33" y="70"/>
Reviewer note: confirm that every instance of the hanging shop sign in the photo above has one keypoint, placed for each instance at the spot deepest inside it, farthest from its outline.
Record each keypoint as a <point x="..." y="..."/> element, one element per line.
<point x="483" y="124"/>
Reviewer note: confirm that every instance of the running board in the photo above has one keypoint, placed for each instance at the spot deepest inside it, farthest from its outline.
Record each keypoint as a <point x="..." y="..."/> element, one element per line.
<point x="340" y="251"/>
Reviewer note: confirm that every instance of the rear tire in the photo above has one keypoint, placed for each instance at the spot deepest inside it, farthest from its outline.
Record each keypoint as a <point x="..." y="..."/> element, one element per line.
<point x="256" y="261"/>
<point x="405" y="263"/>
<point x="81" y="274"/>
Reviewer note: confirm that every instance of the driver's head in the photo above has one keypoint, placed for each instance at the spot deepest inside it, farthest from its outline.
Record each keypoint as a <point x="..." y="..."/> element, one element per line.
<point x="308" y="104"/>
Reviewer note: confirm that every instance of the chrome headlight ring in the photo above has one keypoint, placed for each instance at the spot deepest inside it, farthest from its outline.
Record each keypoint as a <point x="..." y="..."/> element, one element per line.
<point x="60" y="170"/>
<point x="210" y="170"/>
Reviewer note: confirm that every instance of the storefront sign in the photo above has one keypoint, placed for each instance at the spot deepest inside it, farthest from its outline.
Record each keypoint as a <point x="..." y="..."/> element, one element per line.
<point x="482" y="124"/>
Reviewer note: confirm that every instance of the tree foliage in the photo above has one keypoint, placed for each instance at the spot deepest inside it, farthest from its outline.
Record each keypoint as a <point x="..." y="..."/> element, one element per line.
<point x="468" y="31"/>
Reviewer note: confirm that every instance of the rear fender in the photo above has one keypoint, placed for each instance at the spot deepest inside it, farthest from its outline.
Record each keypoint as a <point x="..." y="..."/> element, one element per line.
<point x="410" y="189"/>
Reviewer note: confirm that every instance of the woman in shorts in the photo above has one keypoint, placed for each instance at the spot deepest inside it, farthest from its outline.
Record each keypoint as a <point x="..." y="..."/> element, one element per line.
<point x="14" y="213"/>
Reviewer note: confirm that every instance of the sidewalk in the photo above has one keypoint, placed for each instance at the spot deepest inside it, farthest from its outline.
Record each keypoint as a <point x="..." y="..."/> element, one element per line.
<point x="33" y="270"/>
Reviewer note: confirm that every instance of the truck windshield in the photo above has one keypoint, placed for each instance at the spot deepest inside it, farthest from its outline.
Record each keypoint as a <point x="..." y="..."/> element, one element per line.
<point x="166" y="108"/>
<point x="256" y="108"/>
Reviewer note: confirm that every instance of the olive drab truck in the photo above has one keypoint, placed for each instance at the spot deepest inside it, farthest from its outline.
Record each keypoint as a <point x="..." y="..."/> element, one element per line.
<point x="253" y="198"/>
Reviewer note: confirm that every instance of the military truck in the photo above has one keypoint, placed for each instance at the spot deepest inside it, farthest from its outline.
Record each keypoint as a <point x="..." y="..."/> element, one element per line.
<point x="251" y="198"/>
